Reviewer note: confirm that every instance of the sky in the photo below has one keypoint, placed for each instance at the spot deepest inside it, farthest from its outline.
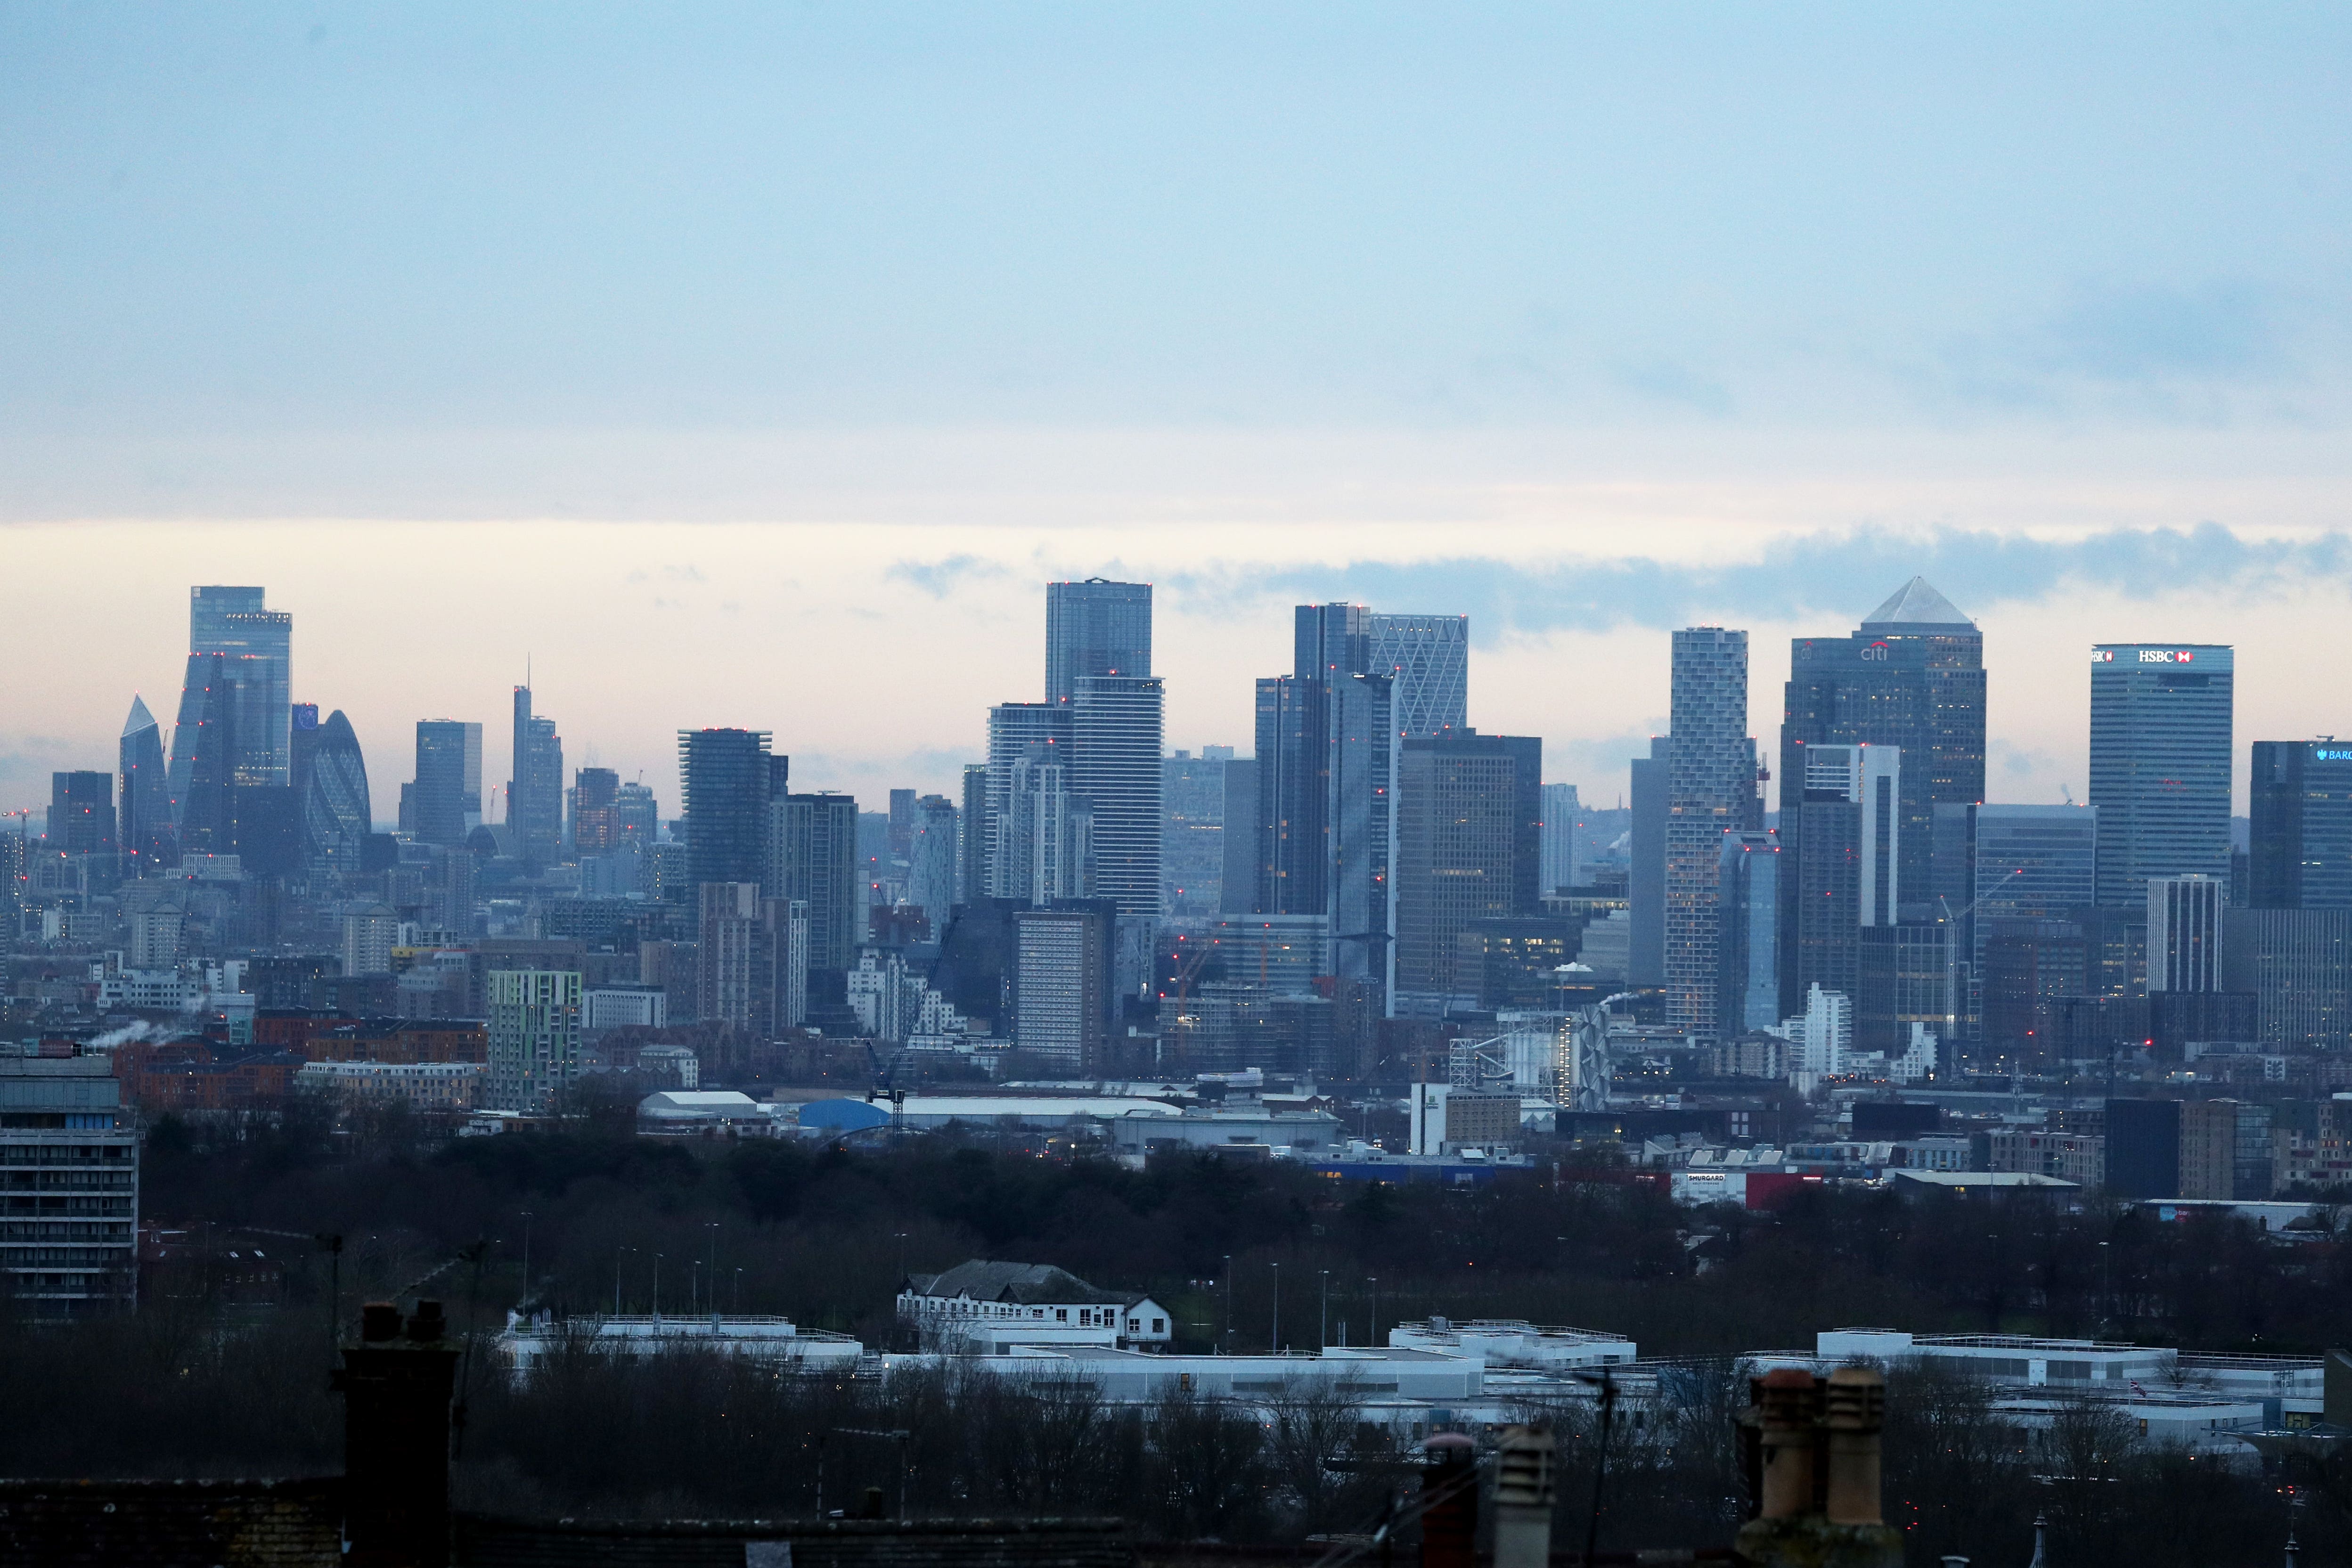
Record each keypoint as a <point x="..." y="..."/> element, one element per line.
<point x="757" y="365"/>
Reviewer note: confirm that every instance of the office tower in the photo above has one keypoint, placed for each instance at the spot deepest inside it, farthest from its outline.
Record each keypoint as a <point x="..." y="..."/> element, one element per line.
<point x="1469" y="836"/>
<point x="931" y="853"/>
<point x="1295" y="731"/>
<point x="240" y="678"/>
<point x="202" y="770"/>
<point x="1908" y="981"/>
<point x="1846" y="810"/>
<point x="2184" y="932"/>
<point x="1358" y="814"/>
<point x="595" y="811"/>
<point x="1560" y="811"/>
<point x="534" y="1037"/>
<point x="812" y="858"/>
<point x="1912" y="676"/>
<point x="637" y="817"/>
<point x="2028" y="866"/>
<point x="1428" y="657"/>
<point x="82" y="814"/>
<point x="2300" y="837"/>
<point x="1237" y="885"/>
<point x="144" y="823"/>
<point x="1645" y="882"/>
<point x="902" y="826"/>
<point x="971" y="849"/>
<point x="446" y="801"/>
<point x="1015" y="731"/>
<point x="2297" y="965"/>
<point x="1095" y="627"/>
<point x="789" y="919"/>
<point x="1193" y="831"/>
<point x="535" y="791"/>
<point x="1062" y="988"/>
<point x="330" y="792"/>
<point x="1710" y="791"/>
<point x="2161" y="718"/>
<point x="1747" y="994"/>
<point x="1115" y="742"/>
<point x="728" y="783"/>
<point x="1045" y="835"/>
<point x="1828" y="1033"/>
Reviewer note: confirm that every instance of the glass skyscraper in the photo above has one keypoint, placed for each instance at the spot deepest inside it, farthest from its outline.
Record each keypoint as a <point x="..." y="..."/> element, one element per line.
<point x="1912" y="676"/>
<point x="1115" y="730"/>
<point x="1747" y="947"/>
<point x="1095" y="627"/>
<point x="2300" y="839"/>
<point x="239" y="686"/>
<point x="447" y="798"/>
<point x="2160" y="717"/>
<point x="144" y="823"/>
<point x="1428" y="657"/>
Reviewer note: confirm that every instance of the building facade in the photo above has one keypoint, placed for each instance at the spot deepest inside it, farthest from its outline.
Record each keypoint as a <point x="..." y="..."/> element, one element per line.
<point x="1428" y="659"/>
<point x="1747" y="888"/>
<point x="2160" y="759"/>
<point x="535" y="792"/>
<point x="812" y="860"/>
<point x="446" y="800"/>
<point x="1116" y="728"/>
<point x="728" y="780"/>
<point x="2299" y="843"/>
<point x="1062" y="989"/>
<point x="534" y="1037"/>
<point x="1469" y="842"/>
<point x="70" y="1183"/>
<point x="1710" y="791"/>
<point x="1097" y="628"/>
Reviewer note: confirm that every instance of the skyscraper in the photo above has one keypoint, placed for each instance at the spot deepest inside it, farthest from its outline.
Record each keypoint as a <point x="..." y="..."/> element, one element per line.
<point x="1017" y="730"/>
<point x="1846" y="810"/>
<point x="972" y="852"/>
<point x="931" y="860"/>
<point x="82" y="814"/>
<point x="447" y="798"/>
<point x="1748" y="994"/>
<point x="1115" y="742"/>
<point x="144" y="820"/>
<point x="1095" y="627"/>
<point x="2300" y="840"/>
<point x="812" y="858"/>
<point x="535" y="791"/>
<point x="1359" y="798"/>
<point x="1645" y="881"/>
<point x="1710" y="791"/>
<point x="2027" y="865"/>
<point x="1560" y="810"/>
<point x="595" y="811"/>
<point x="534" y="1036"/>
<point x="331" y="792"/>
<point x="729" y="783"/>
<point x="1428" y="657"/>
<point x="1912" y="676"/>
<point x="1045" y="835"/>
<point x="1293" y="731"/>
<point x="2161" y="718"/>
<point x="1468" y="844"/>
<point x="249" y="690"/>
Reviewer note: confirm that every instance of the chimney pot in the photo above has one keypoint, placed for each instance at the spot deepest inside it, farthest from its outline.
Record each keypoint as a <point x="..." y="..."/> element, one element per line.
<point x="427" y="1326"/>
<point x="379" y="1321"/>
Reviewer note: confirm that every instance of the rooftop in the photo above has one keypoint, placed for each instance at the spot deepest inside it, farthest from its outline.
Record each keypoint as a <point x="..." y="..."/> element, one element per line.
<point x="1915" y="604"/>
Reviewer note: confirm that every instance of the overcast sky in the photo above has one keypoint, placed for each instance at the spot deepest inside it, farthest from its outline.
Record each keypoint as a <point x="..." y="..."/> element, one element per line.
<point x="757" y="365"/>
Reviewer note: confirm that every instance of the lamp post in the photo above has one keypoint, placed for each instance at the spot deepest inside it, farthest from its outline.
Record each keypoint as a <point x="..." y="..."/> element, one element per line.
<point x="1224" y="1339"/>
<point x="618" y="1253"/>
<point x="1273" y="1336"/>
<point x="1323" y="1329"/>
<point x="526" y="1258"/>
<point x="1374" y="1341"/>
<point x="657" y="1257"/>
<point x="714" y="1271"/>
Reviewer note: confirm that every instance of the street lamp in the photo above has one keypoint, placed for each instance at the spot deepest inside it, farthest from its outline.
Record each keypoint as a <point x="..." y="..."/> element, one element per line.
<point x="1323" y="1330"/>
<point x="618" y="1253"/>
<point x="657" y="1257"/>
<point x="1274" y="1338"/>
<point x="1374" y="1281"/>
<point x="526" y="1258"/>
<point x="1225" y="1341"/>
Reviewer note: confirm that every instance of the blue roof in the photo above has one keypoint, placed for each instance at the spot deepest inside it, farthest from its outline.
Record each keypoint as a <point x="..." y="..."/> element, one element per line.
<point x="847" y="1114"/>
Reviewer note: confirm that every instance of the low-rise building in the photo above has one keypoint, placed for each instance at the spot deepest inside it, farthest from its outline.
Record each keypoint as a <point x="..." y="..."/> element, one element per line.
<point x="528" y="1341"/>
<point x="991" y="1307"/>
<point x="425" y="1086"/>
<point x="2073" y="1157"/>
<point x="1515" y="1343"/>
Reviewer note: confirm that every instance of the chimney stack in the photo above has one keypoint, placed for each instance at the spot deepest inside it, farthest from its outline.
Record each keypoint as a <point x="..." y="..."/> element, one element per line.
<point x="1523" y="1498"/>
<point x="396" y="1384"/>
<point x="1810" y="1447"/>
<point x="1449" y="1499"/>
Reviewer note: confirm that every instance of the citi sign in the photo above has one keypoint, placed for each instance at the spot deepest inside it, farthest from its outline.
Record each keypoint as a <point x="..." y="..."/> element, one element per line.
<point x="1875" y="652"/>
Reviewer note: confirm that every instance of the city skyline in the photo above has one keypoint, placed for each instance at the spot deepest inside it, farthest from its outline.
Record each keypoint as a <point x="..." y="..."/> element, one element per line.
<point x="923" y="739"/>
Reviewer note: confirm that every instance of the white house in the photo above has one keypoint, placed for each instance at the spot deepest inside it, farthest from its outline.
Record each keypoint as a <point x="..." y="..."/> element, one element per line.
<point x="991" y="1308"/>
